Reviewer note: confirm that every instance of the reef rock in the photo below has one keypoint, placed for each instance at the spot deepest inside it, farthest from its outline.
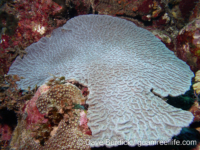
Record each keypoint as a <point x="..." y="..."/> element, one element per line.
<point x="188" y="47"/>
<point x="126" y="68"/>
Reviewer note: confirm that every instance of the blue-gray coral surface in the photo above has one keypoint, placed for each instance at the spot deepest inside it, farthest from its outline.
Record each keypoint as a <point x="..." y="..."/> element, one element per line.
<point x="121" y="64"/>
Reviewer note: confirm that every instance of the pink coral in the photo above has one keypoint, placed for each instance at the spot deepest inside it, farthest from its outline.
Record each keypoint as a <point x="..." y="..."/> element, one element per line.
<point x="83" y="119"/>
<point x="33" y="115"/>
<point x="50" y="122"/>
<point x="5" y="132"/>
<point x="5" y="135"/>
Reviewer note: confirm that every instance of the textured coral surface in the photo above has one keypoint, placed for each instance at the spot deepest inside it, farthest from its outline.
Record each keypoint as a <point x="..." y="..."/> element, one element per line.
<point x="125" y="68"/>
<point x="50" y="122"/>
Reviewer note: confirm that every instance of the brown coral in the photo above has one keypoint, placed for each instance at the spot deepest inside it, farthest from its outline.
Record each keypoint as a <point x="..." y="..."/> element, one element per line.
<point x="62" y="129"/>
<point x="60" y="96"/>
<point x="67" y="135"/>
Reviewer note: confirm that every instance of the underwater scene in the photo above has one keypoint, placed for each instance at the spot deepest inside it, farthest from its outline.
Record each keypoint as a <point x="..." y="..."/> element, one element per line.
<point x="99" y="74"/>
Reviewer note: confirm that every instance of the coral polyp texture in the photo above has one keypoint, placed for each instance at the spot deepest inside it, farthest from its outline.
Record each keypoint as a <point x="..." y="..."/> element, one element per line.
<point x="59" y="96"/>
<point x="126" y="68"/>
<point x="196" y="86"/>
<point x="57" y="125"/>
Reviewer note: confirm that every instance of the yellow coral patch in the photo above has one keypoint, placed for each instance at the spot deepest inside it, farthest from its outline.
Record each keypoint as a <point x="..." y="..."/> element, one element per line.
<point x="197" y="76"/>
<point x="196" y="87"/>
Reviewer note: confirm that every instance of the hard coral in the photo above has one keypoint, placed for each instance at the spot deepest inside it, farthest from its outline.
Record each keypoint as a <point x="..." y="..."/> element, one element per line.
<point x="30" y="111"/>
<point x="60" y="97"/>
<point x="54" y="124"/>
<point x="196" y="86"/>
<point x="125" y="68"/>
<point x="197" y="76"/>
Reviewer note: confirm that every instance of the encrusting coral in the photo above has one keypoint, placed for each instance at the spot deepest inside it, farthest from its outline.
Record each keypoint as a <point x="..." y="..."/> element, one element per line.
<point x="51" y="121"/>
<point x="196" y="86"/>
<point x="195" y="109"/>
<point x="126" y="68"/>
<point x="60" y="96"/>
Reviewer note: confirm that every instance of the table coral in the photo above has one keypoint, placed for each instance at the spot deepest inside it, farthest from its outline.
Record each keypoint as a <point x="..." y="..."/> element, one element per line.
<point x="127" y="70"/>
<point x="50" y="121"/>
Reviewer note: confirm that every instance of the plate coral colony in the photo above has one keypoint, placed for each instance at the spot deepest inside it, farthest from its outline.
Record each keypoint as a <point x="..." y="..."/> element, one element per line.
<point x="97" y="80"/>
